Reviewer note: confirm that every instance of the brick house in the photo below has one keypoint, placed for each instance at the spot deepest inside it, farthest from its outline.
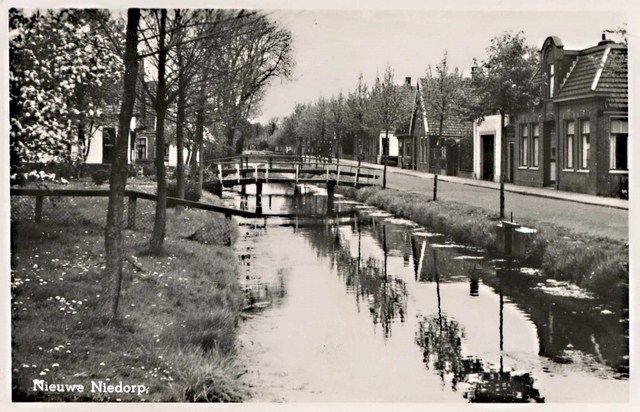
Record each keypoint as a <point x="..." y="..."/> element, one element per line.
<point x="419" y="148"/>
<point x="576" y="138"/>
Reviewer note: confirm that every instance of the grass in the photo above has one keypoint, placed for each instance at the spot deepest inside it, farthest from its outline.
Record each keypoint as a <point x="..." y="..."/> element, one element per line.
<point x="176" y="331"/>
<point x="598" y="264"/>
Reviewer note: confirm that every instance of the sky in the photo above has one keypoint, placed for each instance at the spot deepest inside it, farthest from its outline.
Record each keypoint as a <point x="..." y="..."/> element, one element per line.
<point x="332" y="47"/>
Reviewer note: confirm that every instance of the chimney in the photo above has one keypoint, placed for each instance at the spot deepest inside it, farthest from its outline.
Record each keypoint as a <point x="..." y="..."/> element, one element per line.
<point x="605" y="40"/>
<point x="474" y="71"/>
<point x="407" y="81"/>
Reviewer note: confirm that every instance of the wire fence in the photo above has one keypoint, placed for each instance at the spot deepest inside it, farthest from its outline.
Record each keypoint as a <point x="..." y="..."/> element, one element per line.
<point x="66" y="211"/>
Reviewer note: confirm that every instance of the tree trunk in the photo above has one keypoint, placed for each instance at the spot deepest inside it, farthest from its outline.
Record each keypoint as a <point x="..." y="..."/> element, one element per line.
<point x="115" y="220"/>
<point x="385" y="154"/>
<point x="196" y="155"/>
<point x="159" y="226"/>
<point x="180" y="121"/>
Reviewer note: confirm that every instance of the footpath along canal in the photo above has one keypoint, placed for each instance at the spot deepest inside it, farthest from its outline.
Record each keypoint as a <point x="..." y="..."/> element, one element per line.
<point x="373" y="308"/>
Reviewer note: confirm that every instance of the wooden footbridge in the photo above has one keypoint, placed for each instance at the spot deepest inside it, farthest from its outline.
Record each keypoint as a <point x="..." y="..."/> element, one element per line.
<point x="246" y="170"/>
<point x="262" y="169"/>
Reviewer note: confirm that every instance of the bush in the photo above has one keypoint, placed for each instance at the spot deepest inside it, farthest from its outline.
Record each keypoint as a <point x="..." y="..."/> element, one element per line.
<point x="191" y="190"/>
<point x="100" y="176"/>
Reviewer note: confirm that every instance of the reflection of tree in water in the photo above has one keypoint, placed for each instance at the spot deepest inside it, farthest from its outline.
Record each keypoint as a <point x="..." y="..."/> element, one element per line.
<point x="367" y="278"/>
<point x="441" y="341"/>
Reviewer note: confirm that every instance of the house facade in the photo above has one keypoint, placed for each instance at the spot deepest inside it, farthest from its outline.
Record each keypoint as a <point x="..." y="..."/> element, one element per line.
<point x="576" y="138"/>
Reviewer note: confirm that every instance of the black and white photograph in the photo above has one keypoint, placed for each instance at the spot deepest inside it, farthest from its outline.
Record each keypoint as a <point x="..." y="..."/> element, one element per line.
<point x="274" y="203"/>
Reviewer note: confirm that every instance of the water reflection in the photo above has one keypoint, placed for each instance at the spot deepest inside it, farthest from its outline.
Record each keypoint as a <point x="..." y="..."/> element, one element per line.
<point x="402" y="277"/>
<point x="368" y="279"/>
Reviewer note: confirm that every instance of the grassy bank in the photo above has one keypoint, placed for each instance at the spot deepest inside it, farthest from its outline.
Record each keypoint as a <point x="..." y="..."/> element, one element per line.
<point x="597" y="264"/>
<point x="176" y="333"/>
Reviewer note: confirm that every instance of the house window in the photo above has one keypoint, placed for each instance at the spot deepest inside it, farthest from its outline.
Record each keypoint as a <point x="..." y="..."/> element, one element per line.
<point x="108" y="143"/>
<point x="524" y="145"/>
<point x="619" y="137"/>
<point x="535" y="136"/>
<point x="570" y="133"/>
<point x="141" y="148"/>
<point x="585" y="146"/>
<point x="552" y="75"/>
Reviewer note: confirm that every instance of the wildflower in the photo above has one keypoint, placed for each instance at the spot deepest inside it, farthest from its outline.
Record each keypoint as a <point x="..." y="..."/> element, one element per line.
<point x="101" y="363"/>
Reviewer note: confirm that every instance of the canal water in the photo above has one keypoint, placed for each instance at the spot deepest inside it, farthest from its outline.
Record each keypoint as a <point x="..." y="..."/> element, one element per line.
<point x="372" y="308"/>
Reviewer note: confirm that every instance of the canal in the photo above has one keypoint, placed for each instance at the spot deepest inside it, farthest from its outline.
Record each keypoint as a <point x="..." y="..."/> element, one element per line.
<point x="371" y="308"/>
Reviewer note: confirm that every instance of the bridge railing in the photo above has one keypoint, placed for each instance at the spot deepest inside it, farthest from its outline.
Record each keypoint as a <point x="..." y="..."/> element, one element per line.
<point x="243" y="169"/>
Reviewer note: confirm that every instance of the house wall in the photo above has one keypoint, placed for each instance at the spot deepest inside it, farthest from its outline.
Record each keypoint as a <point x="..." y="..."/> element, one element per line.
<point x="575" y="179"/>
<point x="489" y="126"/>
<point x="529" y="175"/>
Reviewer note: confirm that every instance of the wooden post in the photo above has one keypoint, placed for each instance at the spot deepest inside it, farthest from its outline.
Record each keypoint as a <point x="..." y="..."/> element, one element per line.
<point x="131" y="213"/>
<point x="220" y="172"/>
<point x="238" y="172"/>
<point x="227" y="220"/>
<point x="259" y="198"/>
<point x="297" y="172"/>
<point x="256" y="172"/>
<point x="38" y="216"/>
<point x="331" y="184"/>
<point x="435" y="188"/>
<point x="338" y="175"/>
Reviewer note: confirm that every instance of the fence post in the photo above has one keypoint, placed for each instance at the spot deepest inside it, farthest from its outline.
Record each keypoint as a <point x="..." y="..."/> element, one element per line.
<point x="38" y="216"/>
<point x="227" y="220"/>
<point x="220" y="172"/>
<point x="131" y="213"/>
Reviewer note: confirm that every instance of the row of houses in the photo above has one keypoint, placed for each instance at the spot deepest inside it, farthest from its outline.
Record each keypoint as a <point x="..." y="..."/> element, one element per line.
<point x="575" y="139"/>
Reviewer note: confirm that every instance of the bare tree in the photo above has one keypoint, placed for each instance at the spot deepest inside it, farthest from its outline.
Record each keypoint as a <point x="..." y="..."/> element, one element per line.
<point x="113" y="231"/>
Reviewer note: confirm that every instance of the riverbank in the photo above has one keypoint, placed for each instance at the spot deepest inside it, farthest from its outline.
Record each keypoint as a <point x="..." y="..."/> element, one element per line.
<point x="175" y="338"/>
<point x="597" y="264"/>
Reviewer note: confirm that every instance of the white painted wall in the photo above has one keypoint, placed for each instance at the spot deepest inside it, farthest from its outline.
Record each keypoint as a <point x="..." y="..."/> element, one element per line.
<point x="490" y="125"/>
<point x="394" y="149"/>
<point x="173" y="155"/>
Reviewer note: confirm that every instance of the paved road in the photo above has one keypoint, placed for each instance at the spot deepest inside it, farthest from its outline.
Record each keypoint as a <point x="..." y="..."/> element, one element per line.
<point x="595" y="220"/>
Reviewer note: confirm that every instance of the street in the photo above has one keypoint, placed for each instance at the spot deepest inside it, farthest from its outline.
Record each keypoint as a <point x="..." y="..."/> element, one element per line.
<point x="594" y="220"/>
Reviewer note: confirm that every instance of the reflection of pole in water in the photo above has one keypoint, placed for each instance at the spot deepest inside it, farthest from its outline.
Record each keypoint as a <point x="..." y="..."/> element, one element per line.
<point x="270" y="202"/>
<point x="384" y="248"/>
<point x="501" y="328"/>
<point x="435" y="271"/>
<point x="473" y="283"/>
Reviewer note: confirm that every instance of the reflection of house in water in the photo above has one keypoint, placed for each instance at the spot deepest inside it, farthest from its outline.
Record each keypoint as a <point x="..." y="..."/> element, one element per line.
<point x="441" y="341"/>
<point x="569" y="327"/>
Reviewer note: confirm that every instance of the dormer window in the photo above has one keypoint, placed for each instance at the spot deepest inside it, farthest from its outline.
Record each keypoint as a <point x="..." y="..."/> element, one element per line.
<point x="551" y="73"/>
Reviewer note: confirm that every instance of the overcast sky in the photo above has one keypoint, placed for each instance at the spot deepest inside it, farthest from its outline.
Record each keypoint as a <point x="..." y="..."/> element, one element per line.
<point x="332" y="47"/>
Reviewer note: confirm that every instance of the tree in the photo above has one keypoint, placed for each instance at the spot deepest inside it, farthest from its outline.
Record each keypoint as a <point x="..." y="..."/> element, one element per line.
<point x="257" y="51"/>
<point x="357" y="108"/>
<point x="444" y="94"/>
<point x="338" y="121"/>
<point x="61" y="73"/>
<point x="113" y="231"/>
<point x="503" y="83"/>
<point x="389" y="105"/>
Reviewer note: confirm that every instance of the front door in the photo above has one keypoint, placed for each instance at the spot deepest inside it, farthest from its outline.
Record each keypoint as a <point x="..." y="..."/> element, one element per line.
<point x="487" y="157"/>
<point x="549" y="153"/>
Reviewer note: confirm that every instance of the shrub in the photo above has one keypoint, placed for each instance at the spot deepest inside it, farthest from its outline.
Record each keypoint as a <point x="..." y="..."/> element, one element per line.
<point x="100" y="176"/>
<point x="191" y="190"/>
